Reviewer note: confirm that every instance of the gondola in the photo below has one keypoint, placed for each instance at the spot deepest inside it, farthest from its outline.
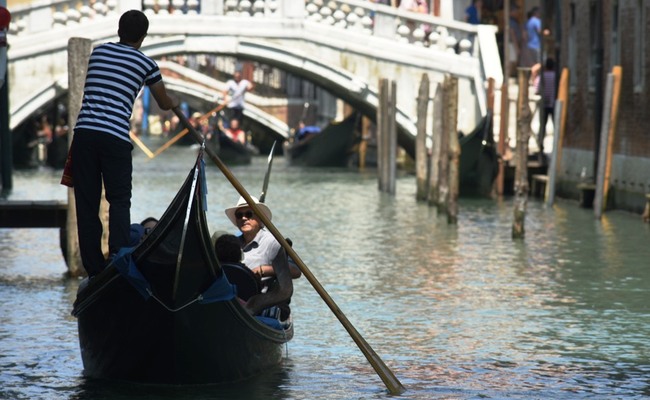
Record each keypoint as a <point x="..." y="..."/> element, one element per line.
<point x="231" y="152"/>
<point x="478" y="165"/>
<point x="165" y="311"/>
<point x="332" y="147"/>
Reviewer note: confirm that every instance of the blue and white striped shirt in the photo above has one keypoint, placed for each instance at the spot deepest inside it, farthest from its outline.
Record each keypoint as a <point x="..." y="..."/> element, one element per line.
<point x="116" y="73"/>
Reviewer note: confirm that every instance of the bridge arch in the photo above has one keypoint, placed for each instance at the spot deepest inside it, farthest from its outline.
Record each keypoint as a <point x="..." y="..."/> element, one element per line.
<point x="338" y="51"/>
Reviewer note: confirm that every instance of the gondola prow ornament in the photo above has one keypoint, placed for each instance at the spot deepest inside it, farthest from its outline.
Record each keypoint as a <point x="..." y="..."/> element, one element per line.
<point x="5" y="18"/>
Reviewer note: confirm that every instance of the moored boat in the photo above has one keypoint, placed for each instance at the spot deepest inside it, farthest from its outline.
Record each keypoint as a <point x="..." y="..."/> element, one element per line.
<point x="165" y="311"/>
<point x="232" y="152"/>
<point x="332" y="147"/>
<point x="478" y="164"/>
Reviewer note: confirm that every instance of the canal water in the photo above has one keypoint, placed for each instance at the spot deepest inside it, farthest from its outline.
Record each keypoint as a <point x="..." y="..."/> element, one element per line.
<point x="457" y="312"/>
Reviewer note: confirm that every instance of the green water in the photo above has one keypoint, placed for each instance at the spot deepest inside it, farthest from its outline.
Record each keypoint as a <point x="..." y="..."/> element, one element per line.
<point x="457" y="312"/>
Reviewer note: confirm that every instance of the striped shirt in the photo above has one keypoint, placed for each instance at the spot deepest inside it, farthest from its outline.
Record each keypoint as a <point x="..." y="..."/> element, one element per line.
<point x="116" y="73"/>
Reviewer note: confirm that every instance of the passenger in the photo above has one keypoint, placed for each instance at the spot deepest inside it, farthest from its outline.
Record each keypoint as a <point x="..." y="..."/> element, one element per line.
<point x="305" y="130"/>
<point x="264" y="256"/>
<point x="148" y="224"/>
<point x="227" y="248"/>
<point x="234" y="132"/>
<point x="138" y="232"/>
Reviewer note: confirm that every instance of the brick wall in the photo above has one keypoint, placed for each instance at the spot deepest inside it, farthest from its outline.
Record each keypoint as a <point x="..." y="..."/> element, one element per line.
<point x="633" y="127"/>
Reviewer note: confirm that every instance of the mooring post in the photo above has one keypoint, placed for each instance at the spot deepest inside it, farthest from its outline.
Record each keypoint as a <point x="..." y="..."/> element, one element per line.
<point x="443" y="169"/>
<point x="392" y="138"/>
<point x="382" y="152"/>
<point x="549" y="194"/>
<point x="387" y="136"/>
<point x="454" y="152"/>
<point x="524" y="116"/>
<point x="421" y="157"/>
<point x="504" y="136"/>
<point x="6" y="158"/>
<point x="363" y="145"/>
<point x="437" y="130"/>
<point x="608" y="133"/>
<point x="78" y="53"/>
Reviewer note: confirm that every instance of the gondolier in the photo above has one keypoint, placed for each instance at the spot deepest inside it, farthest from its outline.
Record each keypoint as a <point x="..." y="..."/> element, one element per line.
<point x="234" y="94"/>
<point x="101" y="148"/>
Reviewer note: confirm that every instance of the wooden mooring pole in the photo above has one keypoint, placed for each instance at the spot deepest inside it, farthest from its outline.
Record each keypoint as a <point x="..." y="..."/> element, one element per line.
<point x="524" y="116"/>
<point x="436" y="134"/>
<point x="79" y="50"/>
<point x="443" y="167"/>
<point x="387" y="136"/>
<point x="6" y="157"/>
<point x="453" y="151"/>
<point x="421" y="156"/>
<point x="607" y="135"/>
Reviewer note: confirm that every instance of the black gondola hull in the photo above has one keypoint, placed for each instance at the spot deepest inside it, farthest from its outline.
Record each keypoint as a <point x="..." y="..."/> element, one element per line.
<point x="164" y="312"/>
<point x="124" y="337"/>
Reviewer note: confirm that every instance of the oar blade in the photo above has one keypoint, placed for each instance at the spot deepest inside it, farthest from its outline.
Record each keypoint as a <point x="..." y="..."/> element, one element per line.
<point x="267" y="176"/>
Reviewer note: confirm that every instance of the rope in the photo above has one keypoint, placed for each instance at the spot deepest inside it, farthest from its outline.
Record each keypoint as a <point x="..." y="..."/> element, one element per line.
<point x="198" y="298"/>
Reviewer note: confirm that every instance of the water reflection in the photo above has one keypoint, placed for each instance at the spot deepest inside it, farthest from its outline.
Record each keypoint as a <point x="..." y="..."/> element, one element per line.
<point x="456" y="311"/>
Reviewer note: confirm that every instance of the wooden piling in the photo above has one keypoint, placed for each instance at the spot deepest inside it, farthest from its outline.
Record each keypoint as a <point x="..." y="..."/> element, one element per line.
<point x="443" y="168"/>
<point x="549" y="193"/>
<point x="392" y="138"/>
<point x="387" y="136"/>
<point x="79" y="50"/>
<point x="454" y="152"/>
<point x="503" y="136"/>
<point x="437" y="131"/>
<point x="524" y="117"/>
<point x="562" y="95"/>
<point x="610" y="113"/>
<point x="6" y="146"/>
<point x="421" y="157"/>
<point x="363" y="145"/>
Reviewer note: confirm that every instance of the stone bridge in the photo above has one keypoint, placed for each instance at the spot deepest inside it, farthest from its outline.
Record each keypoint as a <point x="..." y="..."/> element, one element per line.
<point x="344" y="46"/>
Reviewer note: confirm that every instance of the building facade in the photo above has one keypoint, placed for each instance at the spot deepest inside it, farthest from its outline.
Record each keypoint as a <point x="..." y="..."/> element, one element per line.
<point x="593" y="37"/>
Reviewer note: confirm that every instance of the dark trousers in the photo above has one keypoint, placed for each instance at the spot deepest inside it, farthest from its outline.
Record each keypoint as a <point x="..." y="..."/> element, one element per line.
<point x="100" y="157"/>
<point x="234" y="113"/>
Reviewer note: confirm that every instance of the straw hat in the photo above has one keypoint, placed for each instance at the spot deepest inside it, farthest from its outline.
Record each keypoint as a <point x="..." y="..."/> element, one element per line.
<point x="241" y="203"/>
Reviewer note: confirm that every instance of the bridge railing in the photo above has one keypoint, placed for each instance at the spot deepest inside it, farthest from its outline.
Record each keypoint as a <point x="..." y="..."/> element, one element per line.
<point x="359" y="15"/>
<point x="389" y="22"/>
<point x="44" y="16"/>
<point x="364" y="16"/>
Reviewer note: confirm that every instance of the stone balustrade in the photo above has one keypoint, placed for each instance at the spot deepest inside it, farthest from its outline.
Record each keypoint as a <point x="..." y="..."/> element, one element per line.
<point x="386" y="21"/>
<point x="57" y="14"/>
<point x="357" y="15"/>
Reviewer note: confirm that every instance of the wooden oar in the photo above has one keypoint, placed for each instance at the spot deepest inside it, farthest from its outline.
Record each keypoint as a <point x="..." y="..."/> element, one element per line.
<point x="141" y="145"/>
<point x="265" y="185"/>
<point x="184" y="132"/>
<point x="392" y="383"/>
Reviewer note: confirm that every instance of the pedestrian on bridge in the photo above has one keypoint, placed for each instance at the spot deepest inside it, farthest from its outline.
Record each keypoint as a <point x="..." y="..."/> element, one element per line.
<point x="101" y="147"/>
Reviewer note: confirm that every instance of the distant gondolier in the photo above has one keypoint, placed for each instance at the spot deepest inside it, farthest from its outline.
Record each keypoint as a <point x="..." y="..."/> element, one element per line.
<point x="101" y="148"/>
<point x="234" y="94"/>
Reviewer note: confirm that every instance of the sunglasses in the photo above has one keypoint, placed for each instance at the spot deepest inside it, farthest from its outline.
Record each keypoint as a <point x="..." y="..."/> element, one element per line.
<point x="248" y="214"/>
